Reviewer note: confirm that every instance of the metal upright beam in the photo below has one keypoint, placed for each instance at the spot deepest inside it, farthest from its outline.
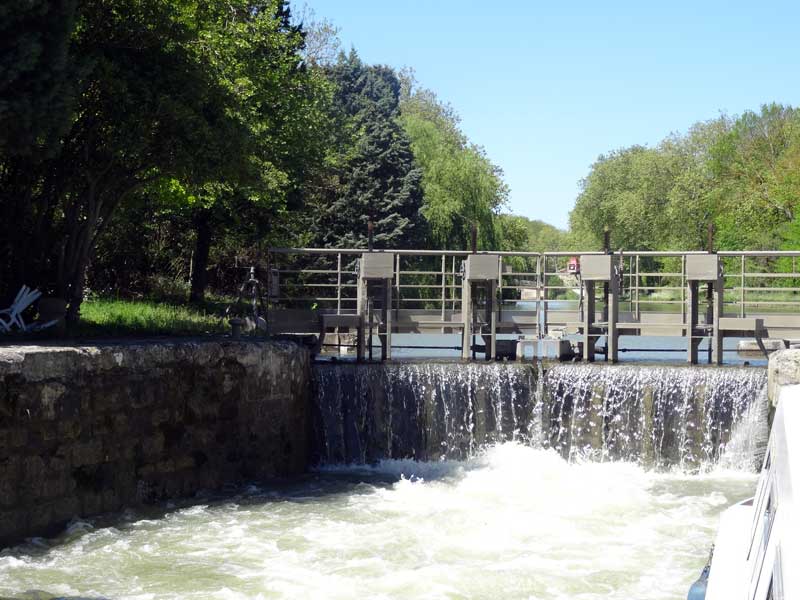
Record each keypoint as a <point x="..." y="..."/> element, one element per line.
<point x="705" y="269"/>
<point x="741" y="289"/>
<point x="386" y="340"/>
<point x="466" y="318"/>
<point x="638" y="309"/>
<point x="605" y="270"/>
<point x="612" y="333"/>
<point x="543" y="295"/>
<point x="444" y="288"/>
<point x="588" y="321"/>
<point x="717" y="308"/>
<point x="692" y="321"/>
<point x="491" y="313"/>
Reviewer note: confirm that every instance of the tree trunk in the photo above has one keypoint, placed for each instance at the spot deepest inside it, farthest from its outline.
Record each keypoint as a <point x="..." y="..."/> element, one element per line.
<point x="202" y="225"/>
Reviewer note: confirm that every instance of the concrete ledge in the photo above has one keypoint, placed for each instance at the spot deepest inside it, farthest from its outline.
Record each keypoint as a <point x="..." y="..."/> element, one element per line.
<point x="784" y="369"/>
<point x="92" y="429"/>
<point x="751" y="346"/>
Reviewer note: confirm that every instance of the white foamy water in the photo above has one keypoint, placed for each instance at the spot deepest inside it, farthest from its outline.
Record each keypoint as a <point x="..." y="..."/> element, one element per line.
<point x="515" y="522"/>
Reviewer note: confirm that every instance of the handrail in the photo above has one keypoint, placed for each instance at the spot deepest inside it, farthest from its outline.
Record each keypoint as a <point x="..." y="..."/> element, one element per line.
<point x="412" y="252"/>
<point x="431" y="280"/>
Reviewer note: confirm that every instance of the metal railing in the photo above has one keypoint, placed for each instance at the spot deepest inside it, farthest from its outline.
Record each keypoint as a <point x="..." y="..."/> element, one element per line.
<point x="653" y="282"/>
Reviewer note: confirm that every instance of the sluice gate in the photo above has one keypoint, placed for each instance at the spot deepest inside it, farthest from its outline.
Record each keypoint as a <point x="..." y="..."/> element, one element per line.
<point x="500" y="303"/>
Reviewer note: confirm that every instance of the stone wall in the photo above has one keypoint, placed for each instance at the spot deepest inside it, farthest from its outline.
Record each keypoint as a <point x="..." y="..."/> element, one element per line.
<point x="87" y="430"/>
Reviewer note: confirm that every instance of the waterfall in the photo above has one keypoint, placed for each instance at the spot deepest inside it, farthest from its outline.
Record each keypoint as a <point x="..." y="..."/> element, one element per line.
<point x="654" y="415"/>
<point x="748" y="443"/>
<point x="685" y="417"/>
<point x="425" y="411"/>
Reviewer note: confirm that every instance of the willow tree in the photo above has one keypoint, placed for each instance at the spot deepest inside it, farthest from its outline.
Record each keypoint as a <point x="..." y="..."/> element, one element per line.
<point x="461" y="185"/>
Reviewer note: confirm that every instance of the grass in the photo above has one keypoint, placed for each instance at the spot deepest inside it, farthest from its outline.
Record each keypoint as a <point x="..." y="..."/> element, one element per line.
<point x="118" y="318"/>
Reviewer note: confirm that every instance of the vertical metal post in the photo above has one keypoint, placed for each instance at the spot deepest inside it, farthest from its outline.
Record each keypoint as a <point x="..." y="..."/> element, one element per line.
<point x="717" y="309"/>
<point x="453" y="293"/>
<point x="397" y="285"/>
<point x="638" y="309"/>
<point x="692" y="322"/>
<point x="369" y="324"/>
<point x="466" y="318"/>
<point x="491" y="293"/>
<point x="362" y="312"/>
<point x="387" y="337"/>
<point x="338" y="285"/>
<point x="683" y="290"/>
<point x="612" y="337"/>
<point x="539" y="325"/>
<point x="607" y="250"/>
<point x="741" y="290"/>
<point x="444" y="288"/>
<point x="711" y="293"/>
<point x="588" y="321"/>
<point x="543" y="294"/>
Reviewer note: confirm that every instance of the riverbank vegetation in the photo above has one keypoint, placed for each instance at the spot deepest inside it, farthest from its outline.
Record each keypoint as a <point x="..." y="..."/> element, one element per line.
<point x="148" y="149"/>
<point x="740" y="173"/>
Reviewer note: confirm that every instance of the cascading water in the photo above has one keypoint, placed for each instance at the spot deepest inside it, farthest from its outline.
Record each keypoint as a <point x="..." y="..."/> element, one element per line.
<point x="425" y="411"/>
<point x="545" y="491"/>
<point x="660" y="416"/>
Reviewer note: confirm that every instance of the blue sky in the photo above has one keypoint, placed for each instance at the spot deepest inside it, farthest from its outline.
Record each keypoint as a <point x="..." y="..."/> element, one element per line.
<point x="548" y="87"/>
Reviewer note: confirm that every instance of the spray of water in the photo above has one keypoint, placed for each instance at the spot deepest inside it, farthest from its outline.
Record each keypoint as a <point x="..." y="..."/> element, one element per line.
<point x="513" y="522"/>
<point x="657" y="416"/>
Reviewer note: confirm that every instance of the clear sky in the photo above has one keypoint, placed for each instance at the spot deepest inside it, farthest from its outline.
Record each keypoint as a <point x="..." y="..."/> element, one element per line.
<point x="546" y="87"/>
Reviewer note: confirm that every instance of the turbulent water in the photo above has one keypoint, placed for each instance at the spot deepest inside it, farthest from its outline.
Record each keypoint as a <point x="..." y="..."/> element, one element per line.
<point x="512" y="522"/>
<point x="581" y="483"/>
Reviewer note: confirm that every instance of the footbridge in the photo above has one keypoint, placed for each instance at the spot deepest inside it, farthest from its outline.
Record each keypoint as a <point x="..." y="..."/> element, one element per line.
<point x="558" y="303"/>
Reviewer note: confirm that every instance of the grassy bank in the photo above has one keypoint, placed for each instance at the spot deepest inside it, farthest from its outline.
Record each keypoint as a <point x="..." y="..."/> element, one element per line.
<point x="111" y="318"/>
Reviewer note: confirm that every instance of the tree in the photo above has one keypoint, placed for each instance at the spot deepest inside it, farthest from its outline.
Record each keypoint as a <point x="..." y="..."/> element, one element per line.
<point x="256" y="53"/>
<point x="214" y="97"/>
<point x="374" y="176"/>
<point x="461" y="185"/>
<point x="755" y="167"/>
<point x="36" y="74"/>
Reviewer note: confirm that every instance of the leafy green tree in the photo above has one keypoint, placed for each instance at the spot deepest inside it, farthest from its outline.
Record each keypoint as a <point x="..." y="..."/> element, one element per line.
<point x="213" y="97"/>
<point x="461" y="185"/>
<point x="36" y="74"/>
<point x="256" y="53"/>
<point x="755" y="167"/>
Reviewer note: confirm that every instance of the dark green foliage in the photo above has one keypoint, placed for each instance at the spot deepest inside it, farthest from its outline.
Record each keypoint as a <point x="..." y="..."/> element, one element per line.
<point x="190" y="93"/>
<point x="376" y="177"/>
<point x="37" y="77"/>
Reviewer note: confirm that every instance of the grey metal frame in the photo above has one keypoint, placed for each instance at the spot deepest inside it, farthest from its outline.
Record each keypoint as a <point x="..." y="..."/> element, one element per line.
<point x="427" y="296"/>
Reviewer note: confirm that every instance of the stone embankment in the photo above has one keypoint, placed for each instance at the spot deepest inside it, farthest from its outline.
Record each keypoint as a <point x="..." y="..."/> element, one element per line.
<point x="88" y="430"/>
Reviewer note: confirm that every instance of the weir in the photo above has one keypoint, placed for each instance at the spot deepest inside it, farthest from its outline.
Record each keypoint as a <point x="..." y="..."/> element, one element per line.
<point x="653" y="415"/>
<point x="504" y="302"/>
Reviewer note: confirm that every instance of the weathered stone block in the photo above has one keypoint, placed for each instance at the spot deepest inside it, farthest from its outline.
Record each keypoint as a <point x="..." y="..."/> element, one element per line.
<point x="99" y="427"/>
<point x="14" y="525"/>
<point x="69" y="429"/>
<point x="87" y="453"/>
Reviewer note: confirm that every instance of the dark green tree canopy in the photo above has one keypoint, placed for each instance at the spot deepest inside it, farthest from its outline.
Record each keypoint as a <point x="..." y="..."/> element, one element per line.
<point x="377" y="177"/>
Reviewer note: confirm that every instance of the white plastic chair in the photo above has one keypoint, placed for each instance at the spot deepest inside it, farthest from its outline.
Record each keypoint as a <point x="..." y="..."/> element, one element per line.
<point x="12" y="316"/>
